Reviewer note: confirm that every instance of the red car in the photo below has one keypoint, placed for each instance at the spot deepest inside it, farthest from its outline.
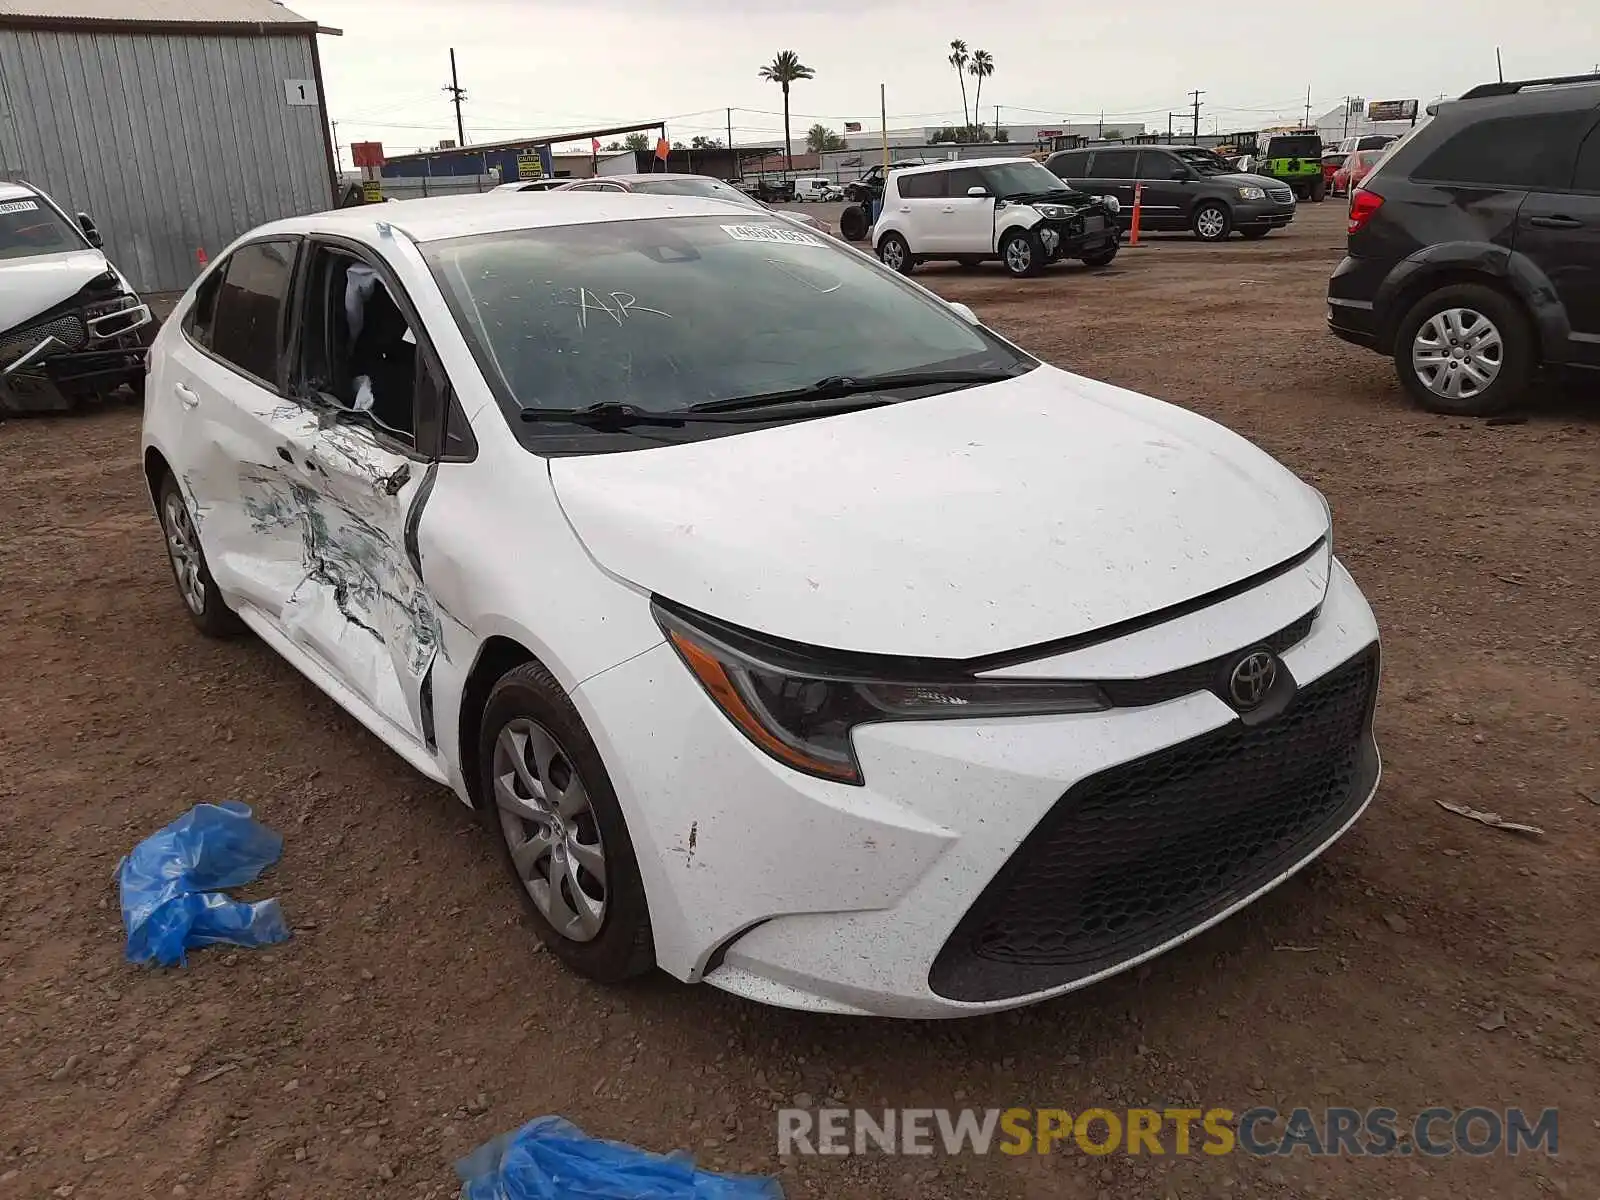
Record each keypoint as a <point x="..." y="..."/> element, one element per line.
<point x="1356" y="167"/>
<point x="1332" y="160"/>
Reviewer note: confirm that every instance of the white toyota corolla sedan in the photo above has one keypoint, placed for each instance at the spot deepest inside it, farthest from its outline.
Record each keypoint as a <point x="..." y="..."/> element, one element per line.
<point x="790" y="630"/>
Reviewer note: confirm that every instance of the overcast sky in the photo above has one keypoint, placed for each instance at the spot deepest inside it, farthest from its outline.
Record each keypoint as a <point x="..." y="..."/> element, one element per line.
<point x="549" y="68"/>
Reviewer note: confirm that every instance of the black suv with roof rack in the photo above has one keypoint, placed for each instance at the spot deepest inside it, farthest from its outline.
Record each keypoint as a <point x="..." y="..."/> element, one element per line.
<point x="1474" y="245"/>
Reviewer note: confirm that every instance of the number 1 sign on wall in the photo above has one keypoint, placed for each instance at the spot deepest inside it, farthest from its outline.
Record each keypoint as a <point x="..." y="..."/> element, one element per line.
<point x="300" y="91"/>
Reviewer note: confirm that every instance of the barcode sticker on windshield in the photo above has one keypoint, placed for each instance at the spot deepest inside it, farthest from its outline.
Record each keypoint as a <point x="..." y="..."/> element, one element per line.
<point x="769" y="233"/>
<point x="11" y="206"/>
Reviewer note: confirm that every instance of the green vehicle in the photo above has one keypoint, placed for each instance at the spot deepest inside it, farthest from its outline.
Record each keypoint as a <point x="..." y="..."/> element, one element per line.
<point x="1293" y="157"/>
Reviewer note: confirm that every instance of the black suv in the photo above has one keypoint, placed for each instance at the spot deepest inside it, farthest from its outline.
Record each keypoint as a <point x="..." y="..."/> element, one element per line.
<point x="1474" y="245"/>
<point x="1185" y="187"/>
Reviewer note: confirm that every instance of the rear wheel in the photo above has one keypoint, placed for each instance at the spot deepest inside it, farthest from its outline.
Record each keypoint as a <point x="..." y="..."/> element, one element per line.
<point x="1466" y="350"/>
<point x="562" y="836"/>
<point x="853" y="224"/>
<point x="1023" y="253"/>
<point x="1319" y="189"/>
<point x="894" y="253"/>
<point x="189" y="570"/>
<point x="1212" y="223"/>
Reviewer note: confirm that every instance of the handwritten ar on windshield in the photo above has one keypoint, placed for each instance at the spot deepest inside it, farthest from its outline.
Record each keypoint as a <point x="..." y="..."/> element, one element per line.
<point x="622" y="307"/>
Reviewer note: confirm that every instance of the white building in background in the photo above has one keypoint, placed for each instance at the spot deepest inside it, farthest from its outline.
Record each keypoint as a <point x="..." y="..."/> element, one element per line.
<point x="1339" y="123"/>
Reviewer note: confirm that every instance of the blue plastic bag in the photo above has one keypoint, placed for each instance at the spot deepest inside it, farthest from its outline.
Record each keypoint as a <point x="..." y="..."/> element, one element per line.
<point x="552" y="1159"/>
<point x="170" y="885"/>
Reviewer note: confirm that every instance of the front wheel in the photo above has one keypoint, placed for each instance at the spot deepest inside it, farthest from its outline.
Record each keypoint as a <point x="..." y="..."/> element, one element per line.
<point x="895" y="253"/>
<point x="1212" y="223"/>
<point x="1023" y="253"/>
<point x="1465" y="350"/>
<point x="1255" y="235"/>
<point x="545" y="792"/>
<point x="1102" y="258"/>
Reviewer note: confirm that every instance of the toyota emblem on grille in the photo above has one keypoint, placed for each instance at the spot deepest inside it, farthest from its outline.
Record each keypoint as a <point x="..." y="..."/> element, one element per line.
<point x="1252" y="678"/>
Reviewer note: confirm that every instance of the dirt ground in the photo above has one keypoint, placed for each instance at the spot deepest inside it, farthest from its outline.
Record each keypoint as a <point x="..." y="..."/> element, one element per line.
<point x="1426" y="960"/>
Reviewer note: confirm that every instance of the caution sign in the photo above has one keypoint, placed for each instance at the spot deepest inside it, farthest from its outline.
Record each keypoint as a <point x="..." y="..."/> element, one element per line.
<point x="372" y="191"/>
<point x="529" y="165"/>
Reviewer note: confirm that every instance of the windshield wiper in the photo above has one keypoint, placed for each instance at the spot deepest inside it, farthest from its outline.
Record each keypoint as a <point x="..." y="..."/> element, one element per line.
<point x="835" y="387"/>
<point x="611" y="416"/>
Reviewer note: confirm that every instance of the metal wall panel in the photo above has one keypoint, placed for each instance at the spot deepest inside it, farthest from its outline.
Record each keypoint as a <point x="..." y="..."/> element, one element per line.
<point x="175" y="143"/>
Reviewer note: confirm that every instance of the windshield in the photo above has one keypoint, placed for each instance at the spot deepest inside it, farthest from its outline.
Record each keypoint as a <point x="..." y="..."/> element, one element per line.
<point x="1204" y="161"/>
<point x="713" y="189"/>
<point x="1021" y="179"/>
<point x="667" y="313"/>
<point x="1294" y="147"/>
<point x="28" y="227"/>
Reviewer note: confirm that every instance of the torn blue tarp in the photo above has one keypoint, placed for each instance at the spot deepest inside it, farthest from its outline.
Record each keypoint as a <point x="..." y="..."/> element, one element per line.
<point x="172" y="881"/>
<point x="552" y="1159"/>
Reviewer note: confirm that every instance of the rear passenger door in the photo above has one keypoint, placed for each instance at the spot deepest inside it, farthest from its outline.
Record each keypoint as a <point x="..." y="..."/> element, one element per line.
<point x="1560" y="232"/>
<point x="1115" y="171"/>
<point x="1165" y="201"/>
<point x="923" y="209"/>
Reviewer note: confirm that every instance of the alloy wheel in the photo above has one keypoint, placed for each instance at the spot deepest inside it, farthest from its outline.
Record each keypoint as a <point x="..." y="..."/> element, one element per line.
<point x="893" y="254"/>
<point x="184" y="548"/>
<point x="1457" y="353"/>
<point x="1210" y="223"/>
<point x="1019" y="256"/>
<point x="550" y="829"/>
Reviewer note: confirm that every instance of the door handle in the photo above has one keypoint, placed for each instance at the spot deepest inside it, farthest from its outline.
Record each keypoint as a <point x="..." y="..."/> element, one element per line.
<point x="284" y="454"/>
<point x="186" y="395"/>
<point x="949" y="208"/>
<point x="905" y="208"/>
<point x="1558" y="221"/>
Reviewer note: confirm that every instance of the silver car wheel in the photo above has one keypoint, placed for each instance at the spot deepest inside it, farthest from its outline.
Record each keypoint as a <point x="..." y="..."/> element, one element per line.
<point x="550" y="829"/>
<point x="1210" y="223"/>
<point x="183" y="546"/>
<point x="1457" y="353"/>
<point x="1019" y="256"/>
<point x="893" y="253"/>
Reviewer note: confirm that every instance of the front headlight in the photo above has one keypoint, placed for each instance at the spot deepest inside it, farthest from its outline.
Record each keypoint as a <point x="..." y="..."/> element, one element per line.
<point x="1252" y="193"/>
<point x="799" y="706"/>
<point x="1054" y="211"/>
<point x="1112" y="204"/>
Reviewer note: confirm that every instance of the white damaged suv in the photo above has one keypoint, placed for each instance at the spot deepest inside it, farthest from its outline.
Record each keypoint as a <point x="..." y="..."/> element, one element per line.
<point x="1006" y="208"/>
<point x="71" y="325"/>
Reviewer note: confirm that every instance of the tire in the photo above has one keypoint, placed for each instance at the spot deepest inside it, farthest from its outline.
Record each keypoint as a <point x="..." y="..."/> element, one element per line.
<point x="853" y="224"/>
<point x="895" y="253"/>
<point x="1102" y="258"/>
<point x="198" y="591"/>
<point x="1443" y="316"/>
<point x="529" y="720"/>
<point x="1255" y="235"/>
<point x="1319" y="189"/>
<point x="1022" y="253"/>
<point x="1212" y="222"/>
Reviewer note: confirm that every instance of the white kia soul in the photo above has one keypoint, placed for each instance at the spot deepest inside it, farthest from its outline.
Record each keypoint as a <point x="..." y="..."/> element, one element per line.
<point x="789" y="629"/>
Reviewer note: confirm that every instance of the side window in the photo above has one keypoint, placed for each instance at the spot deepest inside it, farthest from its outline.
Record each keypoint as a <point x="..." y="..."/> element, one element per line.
<point x="248" y="325"/>
<point x="929" y="185"/>
<point x="1072" y="165"/>
<point x="1115" y="164"/>
<point x="1533" y="151"/>
<point x="203" y="312"/>
<point x="963" y="179"/>
<point x="1587" y="177"/>
<point x="1156" y="164"/>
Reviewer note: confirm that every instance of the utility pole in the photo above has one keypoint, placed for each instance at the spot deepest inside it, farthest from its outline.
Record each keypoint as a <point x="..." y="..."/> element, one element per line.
<point x="338" y="151"/>
<point x="1499" y="68"/>
<point x="1346" y="117"/>
<point x="457" y="95"/>
<point x="997" y="122"/>
<point x="1101" y="132"/>
<point x="1306" y="124"/>
<point x="883" y="119"/>
<point x="1196" y="95"/>
<point x="730" y="129"/>
<point x="1169" y="128"/>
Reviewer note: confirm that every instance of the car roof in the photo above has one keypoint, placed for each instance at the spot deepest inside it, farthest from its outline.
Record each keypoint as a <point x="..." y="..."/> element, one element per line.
<point x="646" y="176"/>
<point x="15" y="191"/>
<point x="951" y="164"/>
<point x="441" y="217"/>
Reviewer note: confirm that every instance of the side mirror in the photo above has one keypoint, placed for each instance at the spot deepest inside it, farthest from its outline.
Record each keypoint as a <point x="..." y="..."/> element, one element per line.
<point x="977" y="193"/>
<point x="1183" y="174"/>
<point x="90" y="232"/>
<point x="965" y="313"/>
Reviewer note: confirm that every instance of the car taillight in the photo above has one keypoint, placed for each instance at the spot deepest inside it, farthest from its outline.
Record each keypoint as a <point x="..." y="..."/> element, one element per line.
<point x="1363" y="204"/>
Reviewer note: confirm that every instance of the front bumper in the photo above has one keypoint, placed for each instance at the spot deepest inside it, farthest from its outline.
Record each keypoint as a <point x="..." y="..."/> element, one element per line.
<point x="1075" y="236"/>
<point x="1262" y="214"/>
<point x="92" y="349"/>
<point x="959" y="879"/>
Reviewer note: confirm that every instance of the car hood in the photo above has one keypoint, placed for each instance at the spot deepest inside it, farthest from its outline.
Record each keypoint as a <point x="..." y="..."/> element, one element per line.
<point x="960" y="525"/>
<point x="1244" y="179"/>
<point x="30" y="285"/>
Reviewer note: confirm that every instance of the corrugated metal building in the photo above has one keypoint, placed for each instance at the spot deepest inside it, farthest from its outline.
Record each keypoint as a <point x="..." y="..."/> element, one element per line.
<point x="177" y="124"/>
<point x="487" y="157"/>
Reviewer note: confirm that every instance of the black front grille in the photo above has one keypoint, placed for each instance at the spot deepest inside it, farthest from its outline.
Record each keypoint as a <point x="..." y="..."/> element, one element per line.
<point x="1137" y="855"/>
<point x="1212" y="674"/>
<point x="68" y="330"/>
<point x="1281" y="194"/>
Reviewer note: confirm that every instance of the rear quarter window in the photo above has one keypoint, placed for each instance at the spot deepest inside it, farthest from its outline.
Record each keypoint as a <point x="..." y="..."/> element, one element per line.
<point x="1528" y="151"/>
<point x="927" y="186"/>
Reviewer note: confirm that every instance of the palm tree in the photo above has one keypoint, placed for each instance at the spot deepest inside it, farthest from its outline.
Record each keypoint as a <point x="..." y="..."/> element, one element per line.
<point x="982" y="67"/>
<point x="958" y="60"/>
<point x="785" y="69"/>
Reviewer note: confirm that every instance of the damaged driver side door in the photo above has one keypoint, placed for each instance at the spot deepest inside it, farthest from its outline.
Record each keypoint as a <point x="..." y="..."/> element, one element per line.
<point x="359" y="475"/>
